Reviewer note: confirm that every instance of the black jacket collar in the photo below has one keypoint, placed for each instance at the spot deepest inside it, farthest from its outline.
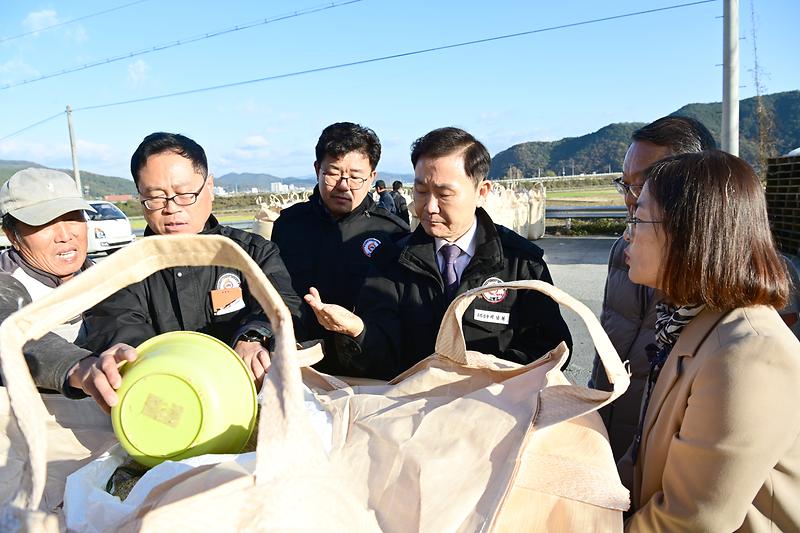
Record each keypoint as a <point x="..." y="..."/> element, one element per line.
<point x="211" y="227"/>
<point x="419" y="253"/>
<point x="322" y="211"/>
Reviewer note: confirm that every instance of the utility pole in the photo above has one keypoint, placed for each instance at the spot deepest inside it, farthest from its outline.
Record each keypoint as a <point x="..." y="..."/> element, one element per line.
<point x="74" y="149"/>
<point x="730" y="77"/>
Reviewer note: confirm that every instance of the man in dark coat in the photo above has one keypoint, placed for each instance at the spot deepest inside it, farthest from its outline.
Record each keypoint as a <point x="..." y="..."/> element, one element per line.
<point x="171" y="174"/>
<point x="629" y="309"/>
<point x="385" y="199"/>
<point x="328" y="242"/>
<point x="455" y="248"/>
<point x="401" y="207"/>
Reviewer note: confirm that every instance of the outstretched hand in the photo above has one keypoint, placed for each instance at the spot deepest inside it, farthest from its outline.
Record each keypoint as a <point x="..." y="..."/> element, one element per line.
<point x="99" y="377"/>
<point x="334" y="317"/>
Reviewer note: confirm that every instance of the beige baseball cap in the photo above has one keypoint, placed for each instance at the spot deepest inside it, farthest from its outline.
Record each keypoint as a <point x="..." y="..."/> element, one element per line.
<point x="36" y="196"/>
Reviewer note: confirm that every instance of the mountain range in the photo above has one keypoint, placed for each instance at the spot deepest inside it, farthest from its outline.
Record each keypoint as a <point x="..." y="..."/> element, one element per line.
<point x="604" y="150"/>
<point x="97" y="185"/>
<point x="600" y="151"/>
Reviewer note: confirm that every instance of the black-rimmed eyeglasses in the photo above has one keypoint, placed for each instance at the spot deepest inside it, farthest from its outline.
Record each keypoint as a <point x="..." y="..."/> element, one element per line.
<point x="631" y="223"/>
<point x="625" y="189"/>
<point x="183" y="199"/>
<point x="353" y="183"/>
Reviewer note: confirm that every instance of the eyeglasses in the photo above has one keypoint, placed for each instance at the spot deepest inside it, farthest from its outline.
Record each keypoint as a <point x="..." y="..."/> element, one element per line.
<point x="353" y="183"/>
<point x="183" y="199"/>
<point x="625" y="189"/>
<point x="631" y="223"/>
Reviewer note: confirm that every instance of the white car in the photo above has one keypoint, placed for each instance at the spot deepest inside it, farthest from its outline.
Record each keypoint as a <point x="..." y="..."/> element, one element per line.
<point x="109" y="229"/>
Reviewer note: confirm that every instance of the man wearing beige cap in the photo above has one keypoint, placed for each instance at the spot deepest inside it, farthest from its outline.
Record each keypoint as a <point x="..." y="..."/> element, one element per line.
<point x="43" y="218"/>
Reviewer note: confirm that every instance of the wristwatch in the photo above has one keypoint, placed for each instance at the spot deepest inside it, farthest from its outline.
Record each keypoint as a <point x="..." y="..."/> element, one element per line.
<point x="254" y="336"/>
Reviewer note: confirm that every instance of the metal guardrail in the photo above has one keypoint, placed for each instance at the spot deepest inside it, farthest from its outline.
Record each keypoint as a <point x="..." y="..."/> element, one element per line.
<point x="593" y="212"/>
<point x="571" y="177"/>
<point x="590" y="211"/>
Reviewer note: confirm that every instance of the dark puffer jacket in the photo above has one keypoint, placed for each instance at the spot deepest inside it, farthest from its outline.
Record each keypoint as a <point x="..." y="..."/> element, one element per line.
<point x="629" y="318"/>
<point x="333" y="255"/>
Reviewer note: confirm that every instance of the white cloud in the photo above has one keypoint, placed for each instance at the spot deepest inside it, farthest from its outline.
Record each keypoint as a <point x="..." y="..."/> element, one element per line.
<point x="254" y="141"/>
<point x="77" y="34"/>
<point x="51" y="154"/>
<point x="251" y="107"/>
<point x="138" y="72"/>
<point x="243" y="154"/>
<point x="250" y="149"/>
<point x="260" y="153"/>
<point x="92" y="151"/>
<point x="15" y="70"/>
<point x="38" y="20"/>
<point x="92" y="156"/>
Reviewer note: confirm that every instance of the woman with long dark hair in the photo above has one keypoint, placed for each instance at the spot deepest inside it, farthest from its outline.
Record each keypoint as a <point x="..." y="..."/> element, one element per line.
<point x="718" y="448"/>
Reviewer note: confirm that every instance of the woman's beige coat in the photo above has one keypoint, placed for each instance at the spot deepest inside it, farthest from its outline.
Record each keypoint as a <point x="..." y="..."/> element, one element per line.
<point x="721" y="443"/>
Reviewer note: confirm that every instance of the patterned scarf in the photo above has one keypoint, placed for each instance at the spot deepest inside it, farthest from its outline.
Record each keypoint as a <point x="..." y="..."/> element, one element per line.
<point x="670" y="321"/>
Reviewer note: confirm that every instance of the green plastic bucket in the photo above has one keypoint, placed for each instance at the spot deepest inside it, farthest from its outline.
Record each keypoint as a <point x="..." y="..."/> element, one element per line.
<point x="187" y="394"/>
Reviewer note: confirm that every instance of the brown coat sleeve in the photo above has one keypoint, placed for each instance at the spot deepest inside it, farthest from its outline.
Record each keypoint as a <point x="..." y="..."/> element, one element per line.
<point x="740" y="420"/>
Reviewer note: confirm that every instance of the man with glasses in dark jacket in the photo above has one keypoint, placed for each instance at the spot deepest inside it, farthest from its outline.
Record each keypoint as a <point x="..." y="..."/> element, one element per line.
<point x="328" y="242"/>
<point x="629" y="310"/>
<point x="176" y="191"/>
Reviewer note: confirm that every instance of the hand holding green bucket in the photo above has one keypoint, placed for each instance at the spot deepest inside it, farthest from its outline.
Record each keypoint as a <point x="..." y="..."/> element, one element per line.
<point x="187" y="394"/>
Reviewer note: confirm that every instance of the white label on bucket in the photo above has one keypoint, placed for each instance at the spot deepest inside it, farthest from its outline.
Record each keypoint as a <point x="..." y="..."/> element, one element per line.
<point x="495" y="317"/>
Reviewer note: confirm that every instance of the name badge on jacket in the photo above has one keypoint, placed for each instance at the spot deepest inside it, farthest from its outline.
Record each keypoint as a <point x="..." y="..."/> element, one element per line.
<point x="495" y="317"/>
<point x="225" y="301"/>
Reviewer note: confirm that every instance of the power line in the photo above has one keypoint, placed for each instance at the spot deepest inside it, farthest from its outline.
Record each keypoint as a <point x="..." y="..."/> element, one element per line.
<point x="373" y="60"/>
<point x="48" y="119"/>
<point x="84" y="17"/>
<point x="388" y="57"/>
<point x="180" y="42"/>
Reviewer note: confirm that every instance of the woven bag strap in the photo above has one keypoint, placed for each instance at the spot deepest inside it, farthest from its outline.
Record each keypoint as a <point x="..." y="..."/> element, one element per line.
<point x="284" y="396"/>
<point x="559" y="402"/>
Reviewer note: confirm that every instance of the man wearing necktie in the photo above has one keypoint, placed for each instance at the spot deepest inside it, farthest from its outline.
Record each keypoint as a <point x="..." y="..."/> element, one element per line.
<point x="456" y="247"/>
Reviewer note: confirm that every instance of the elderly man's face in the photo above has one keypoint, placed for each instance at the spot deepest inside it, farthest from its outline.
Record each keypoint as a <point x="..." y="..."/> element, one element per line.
<point x="58" y="247"/>
<point x="169" y="174"/>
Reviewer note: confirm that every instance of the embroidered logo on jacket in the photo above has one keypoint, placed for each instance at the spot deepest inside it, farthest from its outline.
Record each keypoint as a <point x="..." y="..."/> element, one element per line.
<point x="495" y="296"/>
<point x="369" y="246"/>
<point x="228" y="281"/>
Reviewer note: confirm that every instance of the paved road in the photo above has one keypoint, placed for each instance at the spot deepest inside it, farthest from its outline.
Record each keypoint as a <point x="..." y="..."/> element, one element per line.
<point x="578" y="265"/>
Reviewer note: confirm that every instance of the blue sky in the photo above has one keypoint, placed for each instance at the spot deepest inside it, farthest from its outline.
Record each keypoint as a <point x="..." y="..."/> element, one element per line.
<point x="543" y="86"/>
